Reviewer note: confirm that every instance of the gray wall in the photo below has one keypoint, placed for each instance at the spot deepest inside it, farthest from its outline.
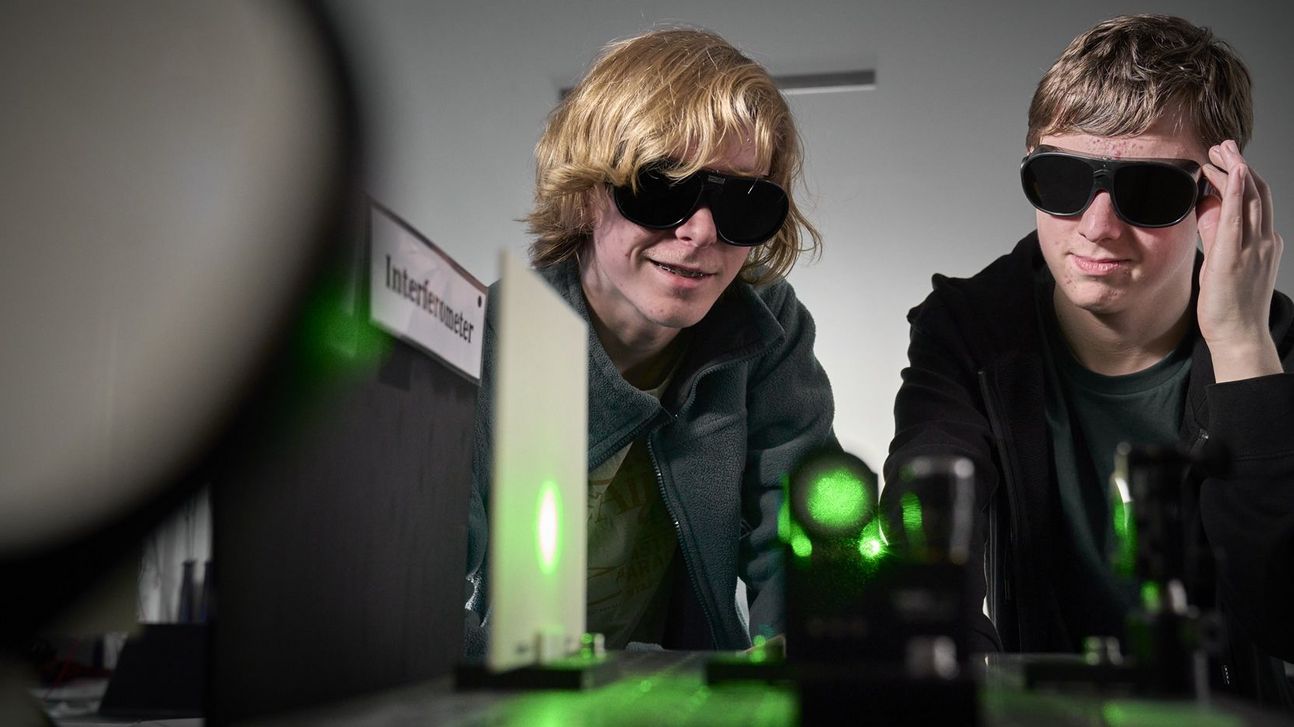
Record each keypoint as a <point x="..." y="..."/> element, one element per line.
<point x="913" y="177"/>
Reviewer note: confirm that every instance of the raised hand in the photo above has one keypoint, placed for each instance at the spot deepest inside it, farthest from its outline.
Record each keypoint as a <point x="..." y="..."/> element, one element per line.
<point x="1242" y="253"/>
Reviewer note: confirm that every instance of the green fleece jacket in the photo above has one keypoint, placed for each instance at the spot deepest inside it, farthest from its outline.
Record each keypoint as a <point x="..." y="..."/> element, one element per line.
<point x="748" y="401"/>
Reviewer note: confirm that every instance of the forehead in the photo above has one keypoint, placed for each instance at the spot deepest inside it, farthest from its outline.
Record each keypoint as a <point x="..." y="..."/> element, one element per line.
<point x="738" y="155"/>
<point x="1163" y="140"/>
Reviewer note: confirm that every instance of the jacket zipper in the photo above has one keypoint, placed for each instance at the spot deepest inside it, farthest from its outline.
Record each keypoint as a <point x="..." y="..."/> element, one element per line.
<point x="1201" y="439"/>
<point x="678" y="535"/>
<point x="1008" y="481"/>
<point x="1223" y="659"/>
<point x="669" y="507"/>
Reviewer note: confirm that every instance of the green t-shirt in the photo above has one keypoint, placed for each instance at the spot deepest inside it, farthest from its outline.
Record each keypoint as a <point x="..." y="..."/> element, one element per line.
<point x="1088" y="414"/>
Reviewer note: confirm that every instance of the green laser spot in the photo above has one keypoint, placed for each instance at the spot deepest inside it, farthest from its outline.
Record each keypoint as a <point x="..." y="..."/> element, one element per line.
<point x="801" y="546"/>
<point x="1150" y="597"/>
<point x="837" y="499"/>
<point x="870" y="545"/>
<point x="548" y="528"/>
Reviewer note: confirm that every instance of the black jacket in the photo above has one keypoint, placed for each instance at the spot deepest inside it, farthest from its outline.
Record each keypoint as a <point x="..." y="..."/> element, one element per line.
<point x="975" y="386"/>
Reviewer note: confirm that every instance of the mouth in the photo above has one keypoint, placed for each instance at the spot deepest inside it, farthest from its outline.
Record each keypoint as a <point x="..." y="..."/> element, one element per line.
<point x="681" y="271"/>
<point x="1099" y="266"/>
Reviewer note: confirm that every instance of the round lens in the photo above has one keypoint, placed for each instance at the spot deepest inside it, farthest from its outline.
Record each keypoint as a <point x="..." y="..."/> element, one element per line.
<point x="749" y="211"/>
<point x="1153" y="194"/>
<point x="659" y="201"/>
<point x="832" y="495"/>
<point x="1057" y="184"/>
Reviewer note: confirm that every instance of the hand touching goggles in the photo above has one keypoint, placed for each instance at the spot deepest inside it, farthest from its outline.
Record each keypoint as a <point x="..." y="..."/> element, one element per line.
<point x="1144" y="192"/>
<point x="747" y="211"/>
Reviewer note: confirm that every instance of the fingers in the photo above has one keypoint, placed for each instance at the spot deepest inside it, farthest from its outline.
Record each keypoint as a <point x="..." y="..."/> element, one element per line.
<point x="1253" y="207"/>
<point x="1268" y="228"/>
<point x="1229" y="172"/>
<point x="1228" y="178"/>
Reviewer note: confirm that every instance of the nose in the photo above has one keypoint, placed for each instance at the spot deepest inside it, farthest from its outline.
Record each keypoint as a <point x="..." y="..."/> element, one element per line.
<point x="1099" y="221"/>
<point x="698" y="230"/>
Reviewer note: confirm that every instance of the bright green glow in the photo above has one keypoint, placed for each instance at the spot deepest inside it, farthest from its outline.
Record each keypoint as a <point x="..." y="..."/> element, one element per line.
<point x="1150" y="598"/>
<point x="548" y="528"/>
<point x="789" y="531"/>
<point x="872" y="545"/>
<point x="587" y="643"/>
<point x="784" y="515"/>
<point x="837" y="499"/>
<point x="1127" y="713"/>
<point x="354" y="336"/>
<point x="801" y="546"/>
<point x="332" y="338"/>
<point x="1125" y="537"/>
<point x="913" y="523"/>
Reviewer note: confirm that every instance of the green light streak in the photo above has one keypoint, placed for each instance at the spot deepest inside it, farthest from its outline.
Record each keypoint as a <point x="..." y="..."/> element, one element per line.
<point x="837" y="499"/>
<point x="548" y="528"/>
<point x="784" y="514"/>
<point x="789" y="531"/>
<point x="1125" y="537"/>
<point x="913" y="522"/>
<point x="674" y="699"/>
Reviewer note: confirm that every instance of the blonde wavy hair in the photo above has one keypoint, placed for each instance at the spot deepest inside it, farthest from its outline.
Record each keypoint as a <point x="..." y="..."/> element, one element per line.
<point x="1126" y="73"/>
<point x="645" y="100"/>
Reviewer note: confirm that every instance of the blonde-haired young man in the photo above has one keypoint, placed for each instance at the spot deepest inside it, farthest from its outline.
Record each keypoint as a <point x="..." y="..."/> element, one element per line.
<point x="1107" y="324"/>
<point x="663" y="214"/>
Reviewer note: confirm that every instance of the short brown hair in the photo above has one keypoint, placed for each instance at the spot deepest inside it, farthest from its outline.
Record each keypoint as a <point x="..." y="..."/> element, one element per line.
<point x="644" y="100"/>
<point x="1126" y="73"/>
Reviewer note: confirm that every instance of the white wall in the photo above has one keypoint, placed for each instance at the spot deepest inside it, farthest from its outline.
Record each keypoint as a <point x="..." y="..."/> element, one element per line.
<point x="913" y="177"/>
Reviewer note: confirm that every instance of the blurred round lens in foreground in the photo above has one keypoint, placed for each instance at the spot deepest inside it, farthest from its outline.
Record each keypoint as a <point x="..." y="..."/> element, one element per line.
<point x="833" y="494"/>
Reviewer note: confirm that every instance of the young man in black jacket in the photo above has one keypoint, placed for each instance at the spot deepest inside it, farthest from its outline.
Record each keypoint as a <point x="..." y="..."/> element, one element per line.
<point x="1107" y="324"/>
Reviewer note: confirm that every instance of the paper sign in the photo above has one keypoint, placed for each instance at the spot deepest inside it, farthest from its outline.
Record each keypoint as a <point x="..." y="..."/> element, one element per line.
<point x="420" y="294"/>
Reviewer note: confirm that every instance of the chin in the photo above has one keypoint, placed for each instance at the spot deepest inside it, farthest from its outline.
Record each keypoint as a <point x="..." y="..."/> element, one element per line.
<point x="680" y="317"/>
<point x="679" y="321"/>
<point x="1102" y="301"/>
<point x="1100" y="305"/>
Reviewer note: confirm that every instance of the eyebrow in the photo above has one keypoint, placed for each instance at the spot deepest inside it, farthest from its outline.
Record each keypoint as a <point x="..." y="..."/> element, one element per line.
<point x="1049" y="148"/>
<point x="737" y="172"/>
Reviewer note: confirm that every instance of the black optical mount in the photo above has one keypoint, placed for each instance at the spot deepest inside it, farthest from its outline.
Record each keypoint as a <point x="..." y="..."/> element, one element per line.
<point x="877" y="617"/>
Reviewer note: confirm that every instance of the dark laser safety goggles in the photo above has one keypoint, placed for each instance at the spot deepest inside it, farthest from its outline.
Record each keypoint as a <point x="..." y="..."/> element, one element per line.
<point x="1144" y="192"/>
<point x="747" y="210"/>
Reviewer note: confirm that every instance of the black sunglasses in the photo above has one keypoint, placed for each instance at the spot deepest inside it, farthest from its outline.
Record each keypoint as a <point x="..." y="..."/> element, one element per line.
<point x="747" y="210"/>
<point x="1144" y="192"/>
